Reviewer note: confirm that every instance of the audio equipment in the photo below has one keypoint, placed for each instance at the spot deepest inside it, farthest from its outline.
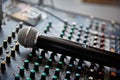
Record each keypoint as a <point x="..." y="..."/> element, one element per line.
<point x="53" y="61"/>
<point x="29" y="37"/>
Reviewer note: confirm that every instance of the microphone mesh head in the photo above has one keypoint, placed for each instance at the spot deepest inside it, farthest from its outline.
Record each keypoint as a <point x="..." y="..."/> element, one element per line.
<point x="28" y="37"/>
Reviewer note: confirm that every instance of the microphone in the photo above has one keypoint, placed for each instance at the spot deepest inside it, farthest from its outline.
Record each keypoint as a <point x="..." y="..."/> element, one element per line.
<point x="29" y="37"/>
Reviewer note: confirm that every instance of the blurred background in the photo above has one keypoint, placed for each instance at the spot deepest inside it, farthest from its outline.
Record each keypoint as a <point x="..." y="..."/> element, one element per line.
<point x="106" y="9"/>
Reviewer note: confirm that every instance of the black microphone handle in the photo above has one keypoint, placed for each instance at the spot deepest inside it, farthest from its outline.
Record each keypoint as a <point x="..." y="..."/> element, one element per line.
<point x="80" y="51"/>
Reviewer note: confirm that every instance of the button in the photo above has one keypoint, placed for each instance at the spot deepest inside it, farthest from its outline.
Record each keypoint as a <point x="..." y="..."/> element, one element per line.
<point x="49" y="24"/>
<point x="79" y="34"/>
<point x="113" y="75"/>
<point x="5" y="44"/>
<point x="69" y="37"/>
<point x="112" y="50"/>
<point x="13" y="52"/>
<point x="8" y="59"/>
<point x="78" y="39"/>
<point x="71" y="32"/>
<point x="65" y="22"/>
<point x="86" y="36"/>
<point x="32" y="74"/>
<point x="95" y="43"/>
<point x="21" y="71"/>
<point x="17" y="77"/>
<point x="65" y="27"/>
<point x="102" y="40"/>
<point x="61" y="35"/>
<point x="102" y="45"/>
<point x="47" y="67"/>
<point x="63" y="31"/>
<point x="97" y="26"/>
<point x="96" y="38"/>
<point x="43" y="77"/>
<point x="26" y="64"/>
<point x="36" y="67"/>
<point x="90" y="78"/>
<point x="3" y="68"/>
<point x="85" y="41"/>
<point x="87" y="31"/>
<point x="103" y="27"/>
<point x="81" y="26"/>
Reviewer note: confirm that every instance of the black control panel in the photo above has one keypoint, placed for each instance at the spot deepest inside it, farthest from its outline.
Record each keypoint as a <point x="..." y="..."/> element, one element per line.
<point x="19" y="63"/>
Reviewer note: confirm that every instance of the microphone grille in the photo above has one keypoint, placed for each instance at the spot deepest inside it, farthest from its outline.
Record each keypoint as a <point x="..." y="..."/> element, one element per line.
<point x="27" y="36"/>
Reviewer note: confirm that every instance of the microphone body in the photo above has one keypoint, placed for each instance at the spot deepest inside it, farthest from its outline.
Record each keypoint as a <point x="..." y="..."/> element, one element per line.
<point x="30" y="37"/>
<point x="80" y="51"/>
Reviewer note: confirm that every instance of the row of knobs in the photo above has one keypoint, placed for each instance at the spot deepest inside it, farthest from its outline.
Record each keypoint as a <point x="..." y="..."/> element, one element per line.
<point x="8" y="43"/>
<point x="90" y="73"/>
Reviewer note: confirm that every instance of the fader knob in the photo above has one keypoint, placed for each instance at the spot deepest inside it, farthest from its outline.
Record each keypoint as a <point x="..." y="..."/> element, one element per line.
<point x="60" y="63"/>
<point x="3" y="68"/>
<point x="13" y="34"/>
<point x="32" y="74"/>
<point x="17" y="46"/>
<point x="30" y="57"/>
<point x="43" y="77"/>
<point x="50" y="62"/>
<point x="36" y="67"/>
<point x="1" y="50"/>
<point x="9" y="39"/>
<point x="21" y="72"/>
<point x="70" y="66"/>
<point x="8" y="59"/>
<point x="28" y="79"/>
<point x="13" y="52"/>
<point x="21" y="24"/>
<point x="39" y="60"/>
<point x="5" y="43"/>
<point x="26" y="64"/>
<point x="68" y="75"/>
<point x="77" y="76"/>
<point x="17" y="29"/>
<point x="55" y="78"/>
<point x="79" y="68"/>
<point x="17" y="77"/>
<point x="57" y="72"/>
<point x="47" y="69"/>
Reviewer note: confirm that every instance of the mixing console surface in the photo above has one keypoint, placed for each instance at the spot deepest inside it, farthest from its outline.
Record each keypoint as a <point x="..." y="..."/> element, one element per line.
<point x="19" y="63"/>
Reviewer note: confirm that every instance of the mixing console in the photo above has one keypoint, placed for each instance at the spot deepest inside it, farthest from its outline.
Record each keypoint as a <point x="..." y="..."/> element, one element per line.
<point x="19" y="63"/>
